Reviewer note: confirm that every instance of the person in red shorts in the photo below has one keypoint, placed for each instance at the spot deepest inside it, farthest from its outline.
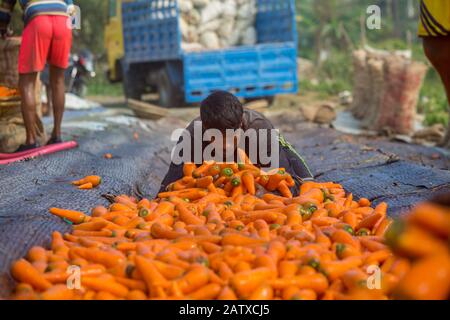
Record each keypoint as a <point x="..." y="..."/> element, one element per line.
<point x="47" y="37"/>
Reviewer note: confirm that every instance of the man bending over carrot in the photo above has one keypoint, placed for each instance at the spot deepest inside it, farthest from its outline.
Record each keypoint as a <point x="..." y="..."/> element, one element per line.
<point x="222" y="112"/>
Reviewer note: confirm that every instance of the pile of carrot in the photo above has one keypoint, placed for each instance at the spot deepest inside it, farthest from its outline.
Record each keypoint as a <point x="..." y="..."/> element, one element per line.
<point x="220" y="233"/>
<point x="422" y="238"/>
<point x="6" y="92"/>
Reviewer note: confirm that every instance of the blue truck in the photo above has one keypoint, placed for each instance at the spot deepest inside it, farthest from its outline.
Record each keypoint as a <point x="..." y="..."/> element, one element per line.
<point x="154" y="60"/>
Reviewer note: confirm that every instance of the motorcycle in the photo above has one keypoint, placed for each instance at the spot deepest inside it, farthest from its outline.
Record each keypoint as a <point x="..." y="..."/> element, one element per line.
<point x="81" y="67"/>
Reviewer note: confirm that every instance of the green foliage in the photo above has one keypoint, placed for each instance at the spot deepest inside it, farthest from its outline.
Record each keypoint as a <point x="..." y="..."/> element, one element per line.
<point x="433" y="101"/>
<point x="93" y="21"/>
<point x="100" y="86"/>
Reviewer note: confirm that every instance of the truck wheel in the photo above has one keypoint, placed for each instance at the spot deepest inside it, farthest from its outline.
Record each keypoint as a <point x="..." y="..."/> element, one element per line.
<point x="132" y="87"/>
<point x="119" y="71"/>
<point x="169" y="95"/>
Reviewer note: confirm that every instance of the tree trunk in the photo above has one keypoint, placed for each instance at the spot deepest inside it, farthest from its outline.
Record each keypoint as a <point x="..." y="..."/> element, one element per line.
<point x="396" y="19"/>
<point x="446" y="142"/>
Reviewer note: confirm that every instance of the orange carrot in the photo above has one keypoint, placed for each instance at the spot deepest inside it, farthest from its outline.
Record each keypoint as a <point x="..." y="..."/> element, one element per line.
<point x="208" y="292"/>
<point x="227" y="294"/>
<point x="264" y="292"/>
<point x="24" y="272"/>
<point x="244" y="283"/>
<point x="284" y="189"/>
<point x="188" y="169"/>
<point x="86" y="186"/>
<point x="58" y="292"/>
<point x="275" y="179"/>
<point x="103" y="284"/>
<point x="76" y="217"/>
<point x="95" y="180"/>
<point x="249" y="182"/>
<point x="152" y="277"/>
<point x="194" y="279"/>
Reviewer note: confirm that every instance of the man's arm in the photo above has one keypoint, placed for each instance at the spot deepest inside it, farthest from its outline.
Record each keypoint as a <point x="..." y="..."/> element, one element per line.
<point x="289" y="158"/>
<point x="174" y="174"/>
<point x="297" y="164"/>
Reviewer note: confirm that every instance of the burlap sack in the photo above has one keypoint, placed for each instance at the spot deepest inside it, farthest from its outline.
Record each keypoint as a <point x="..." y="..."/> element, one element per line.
<point x="386" y="90"/>
<point x="413" y="77"/>
<point x="13" y="134"/>
<point x="374" y="92"/>
<point x="9" y="56"/>
<point x="361" y="83"/>
<point x="402" y="82"/>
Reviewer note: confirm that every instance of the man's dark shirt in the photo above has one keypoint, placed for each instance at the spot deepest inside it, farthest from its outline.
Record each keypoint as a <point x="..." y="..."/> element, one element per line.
<point x="289" y="160"/>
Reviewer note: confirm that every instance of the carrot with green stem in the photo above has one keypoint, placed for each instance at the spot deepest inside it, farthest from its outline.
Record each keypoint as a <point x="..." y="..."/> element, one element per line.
<point x="76" y="217"/>
<point x="275" y="179"/>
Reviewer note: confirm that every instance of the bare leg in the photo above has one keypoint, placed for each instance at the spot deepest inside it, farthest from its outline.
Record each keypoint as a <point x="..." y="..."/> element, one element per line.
<point x="27" y="87"/>
<point x="437" y="49"/>
<point x="48" y="92"/>
<point x="58" y="98"/>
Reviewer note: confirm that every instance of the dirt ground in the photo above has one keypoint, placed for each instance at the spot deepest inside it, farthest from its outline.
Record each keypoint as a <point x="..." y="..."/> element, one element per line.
<point x="398" y="173"/>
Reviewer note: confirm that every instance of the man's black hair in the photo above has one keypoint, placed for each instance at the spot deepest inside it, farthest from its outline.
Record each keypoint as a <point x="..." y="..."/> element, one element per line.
<point x="222" y="111"/>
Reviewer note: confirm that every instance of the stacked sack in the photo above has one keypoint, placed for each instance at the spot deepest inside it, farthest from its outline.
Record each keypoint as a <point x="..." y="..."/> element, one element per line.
<point x="12" y="128"/>
<point x="215" y="24"/>
<point x="387" y="87"/>
<point x="9" y="56"/>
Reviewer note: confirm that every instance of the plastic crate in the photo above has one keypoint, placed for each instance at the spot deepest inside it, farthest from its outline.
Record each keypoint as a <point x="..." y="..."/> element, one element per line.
<point x="151" y="31"/>
<point x="275" y="21"/>
<point x="256" y="71"/>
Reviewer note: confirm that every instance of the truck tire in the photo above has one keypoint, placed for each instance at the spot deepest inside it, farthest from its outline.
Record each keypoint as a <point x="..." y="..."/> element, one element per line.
<point x="169" y="95"/>
<point x="133" y="85"/>
<point x="119" y="71"/>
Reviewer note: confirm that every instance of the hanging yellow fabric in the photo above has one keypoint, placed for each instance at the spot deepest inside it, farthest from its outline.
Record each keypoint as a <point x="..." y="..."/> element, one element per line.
<point x="434" y="18"/>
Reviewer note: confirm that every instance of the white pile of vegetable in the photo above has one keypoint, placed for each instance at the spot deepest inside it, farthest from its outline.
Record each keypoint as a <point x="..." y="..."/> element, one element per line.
<point x="216" y="24"/>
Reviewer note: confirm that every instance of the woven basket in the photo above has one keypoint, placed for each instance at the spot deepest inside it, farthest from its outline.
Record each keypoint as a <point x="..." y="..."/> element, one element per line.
<point x="9" y="56"/>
